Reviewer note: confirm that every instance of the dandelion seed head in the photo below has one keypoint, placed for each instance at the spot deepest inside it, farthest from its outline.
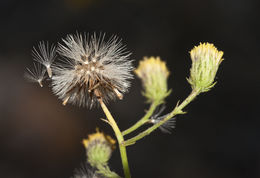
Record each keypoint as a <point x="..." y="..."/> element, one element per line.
<point x="94" y="69"/>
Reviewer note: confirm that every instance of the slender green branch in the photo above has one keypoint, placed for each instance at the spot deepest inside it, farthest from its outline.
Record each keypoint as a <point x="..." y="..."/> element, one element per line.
<point x="143" y="120"/>
<point x="120" y="139"/>
<point x="177" y="110"/>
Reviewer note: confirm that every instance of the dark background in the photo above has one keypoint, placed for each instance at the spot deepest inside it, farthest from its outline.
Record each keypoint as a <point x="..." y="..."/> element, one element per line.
<point x="217" y="138"/>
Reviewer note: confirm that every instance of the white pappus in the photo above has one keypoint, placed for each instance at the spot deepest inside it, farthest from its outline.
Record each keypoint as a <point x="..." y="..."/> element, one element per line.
<point x="85" y="172"/>
<point x="36" y="74"/>
<point x="168" y="125"/>
<point x="45" y="55"/>
<point x="91" y="69"/>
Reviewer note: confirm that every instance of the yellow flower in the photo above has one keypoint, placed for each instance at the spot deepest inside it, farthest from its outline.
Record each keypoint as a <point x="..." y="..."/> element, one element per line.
<point x="205" y="62"/>
<point x="99" y="148"/>
<point x="154" y="74"/>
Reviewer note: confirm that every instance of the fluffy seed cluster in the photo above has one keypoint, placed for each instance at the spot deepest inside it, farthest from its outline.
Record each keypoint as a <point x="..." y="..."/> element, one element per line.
<point x="88" y="68"/>
<point x="91" y="69"/>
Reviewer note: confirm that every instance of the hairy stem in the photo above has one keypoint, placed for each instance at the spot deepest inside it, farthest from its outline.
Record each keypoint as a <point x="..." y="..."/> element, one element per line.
<point x="120" y="139"/>
<point x="177" y="110"/>
<point x="143" y="120"/>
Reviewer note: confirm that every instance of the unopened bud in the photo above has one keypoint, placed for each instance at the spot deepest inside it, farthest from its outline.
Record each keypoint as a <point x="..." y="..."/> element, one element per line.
<point x="154" y="74"/>
<point x="205" y="62"/>
<point x="99" y="148"/>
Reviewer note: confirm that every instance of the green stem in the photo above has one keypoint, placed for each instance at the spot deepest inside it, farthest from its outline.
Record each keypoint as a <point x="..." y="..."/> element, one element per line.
<point x="177" y="110"/>
<point x="120" y="139"/>
<point x="143" y="120"/>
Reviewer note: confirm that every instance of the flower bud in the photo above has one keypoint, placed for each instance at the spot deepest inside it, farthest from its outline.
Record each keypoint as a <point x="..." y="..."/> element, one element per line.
<point x="99" y="148"/>
<point x="205" y="62"/>
<point x="154" y="74"/>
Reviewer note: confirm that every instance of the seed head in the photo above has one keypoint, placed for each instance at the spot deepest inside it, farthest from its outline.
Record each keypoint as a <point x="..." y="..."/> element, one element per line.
<point x="91" y="69"/>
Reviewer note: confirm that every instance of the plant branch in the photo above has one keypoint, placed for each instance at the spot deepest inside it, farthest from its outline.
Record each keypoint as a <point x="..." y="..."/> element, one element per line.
<point x="143" y="120"/>
<point x="177" y="110"/>
<point x="119" y="137"/>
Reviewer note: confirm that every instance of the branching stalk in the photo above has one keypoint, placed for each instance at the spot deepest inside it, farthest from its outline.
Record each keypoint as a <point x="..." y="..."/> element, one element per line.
<point x="119" y="137"/>
<point x="143" y="120"/>
<point x="177" y="110"/>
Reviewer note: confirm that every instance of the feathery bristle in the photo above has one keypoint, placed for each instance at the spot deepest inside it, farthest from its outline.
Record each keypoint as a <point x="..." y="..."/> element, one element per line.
<point x="168" y="125"/>
<point x="36" y="74"/>
<point x="45" y="55"/>
<point x="90" y="69"/>
<point x="85" y="172"/>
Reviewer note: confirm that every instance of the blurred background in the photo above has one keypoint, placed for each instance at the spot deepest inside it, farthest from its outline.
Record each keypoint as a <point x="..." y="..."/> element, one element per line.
<point x="218" y="137"/>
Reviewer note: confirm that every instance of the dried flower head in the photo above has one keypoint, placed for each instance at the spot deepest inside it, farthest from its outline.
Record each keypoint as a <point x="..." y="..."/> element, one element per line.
<point x="99" y="148"/>
<point x="36" y="74"/>
<point x="90" y="69"/>
<point x="45" y="55"/>
<point x="154" y="74"/>
<point x="205" y="62"/>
